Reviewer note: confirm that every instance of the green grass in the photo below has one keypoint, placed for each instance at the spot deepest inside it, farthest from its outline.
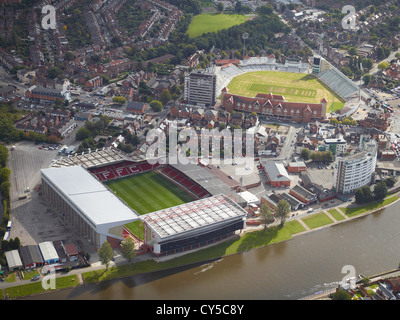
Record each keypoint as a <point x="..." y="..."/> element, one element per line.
<point x="36" y="287"/>
<point x="148" y="192"/>
<point x="336" y="214"/>
<point x="295" y="87"/>
<point x="246" y="242"/>
<point x="29" y="275"/>
<point x="204" y="23"/>
<point x="354" y="211"/>
<point x="317" y="220"/>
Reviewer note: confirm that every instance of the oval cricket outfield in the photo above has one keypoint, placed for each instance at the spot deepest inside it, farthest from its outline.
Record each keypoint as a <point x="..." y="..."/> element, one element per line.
<point x="295" y="87"/>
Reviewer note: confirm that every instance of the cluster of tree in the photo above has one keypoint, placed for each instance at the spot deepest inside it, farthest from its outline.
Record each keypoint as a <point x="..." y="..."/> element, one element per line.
<point x="262" y="30"/>
<point x="348" y="121"/>
<point x="130" y="18"/>
<point x="319" y="156"/>
<point x="92" y="129"/>
<point x="281" y="211"/>
<point x="355" y="64"/>
<point x="106" y="252"/>
<point x="365" y="194"/>
<point x="383" y="33"/>
<point x="130" y="143"/>
<point x="75" y="27"/>
<point x="5" y="187"/>
<point x="119" y="99"/>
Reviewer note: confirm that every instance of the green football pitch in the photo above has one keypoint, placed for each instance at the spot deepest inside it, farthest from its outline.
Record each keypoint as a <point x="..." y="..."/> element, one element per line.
<point x="295" y="87"/>
<point x="204" y="23"/>
<point x="148" y="192"/>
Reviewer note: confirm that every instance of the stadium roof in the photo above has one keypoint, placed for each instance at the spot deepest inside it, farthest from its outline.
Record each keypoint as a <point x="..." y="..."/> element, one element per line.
<point x="210" y="178"/>
<point x="193" y="215"/>
<point x="92" y="199"/>
<point x="91" y="159"/>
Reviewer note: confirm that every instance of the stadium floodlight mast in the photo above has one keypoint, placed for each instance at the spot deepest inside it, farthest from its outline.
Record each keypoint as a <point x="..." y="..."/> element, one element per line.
<point x="333" y="87"/>
<point x="244" y="37"/>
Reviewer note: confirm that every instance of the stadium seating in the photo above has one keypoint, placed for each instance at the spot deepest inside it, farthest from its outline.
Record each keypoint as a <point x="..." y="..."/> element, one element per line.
<point x="180" y="178"/>
<point x="338" y="82"/>
<point x="121" y="169"/>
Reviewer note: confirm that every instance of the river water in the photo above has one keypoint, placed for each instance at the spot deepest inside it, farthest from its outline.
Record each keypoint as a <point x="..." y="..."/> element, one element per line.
<point x="290" y="270"/>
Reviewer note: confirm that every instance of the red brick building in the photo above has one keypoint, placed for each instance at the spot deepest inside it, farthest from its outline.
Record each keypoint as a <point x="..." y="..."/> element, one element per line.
<point x="297" y="167"/>
<point x="274" y="107"/>
<point x="378" y="120"/>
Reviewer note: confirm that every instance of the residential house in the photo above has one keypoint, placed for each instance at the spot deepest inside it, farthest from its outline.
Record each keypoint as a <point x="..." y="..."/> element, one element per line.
<point x="237" y="119"/>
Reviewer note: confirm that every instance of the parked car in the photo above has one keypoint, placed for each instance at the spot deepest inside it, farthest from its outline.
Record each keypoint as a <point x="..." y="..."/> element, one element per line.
<point x="35" y="278"/>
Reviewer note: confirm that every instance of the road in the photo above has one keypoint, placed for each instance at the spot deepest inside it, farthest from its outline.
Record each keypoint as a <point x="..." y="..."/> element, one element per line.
<point x="375" y="69"/>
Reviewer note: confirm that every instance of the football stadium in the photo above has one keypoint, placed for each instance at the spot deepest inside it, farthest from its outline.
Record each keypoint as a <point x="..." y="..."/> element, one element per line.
<point x="107" y="196"/>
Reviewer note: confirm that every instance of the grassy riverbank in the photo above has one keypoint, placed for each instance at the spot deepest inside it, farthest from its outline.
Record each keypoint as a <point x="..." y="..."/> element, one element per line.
<point x="247" y="241"/>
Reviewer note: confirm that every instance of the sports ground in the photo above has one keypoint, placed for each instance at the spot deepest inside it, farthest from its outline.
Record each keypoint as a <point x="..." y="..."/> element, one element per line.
<point x="295" y="87"/>
<point x="204" y="23"/>
<point x="148" y="192"/>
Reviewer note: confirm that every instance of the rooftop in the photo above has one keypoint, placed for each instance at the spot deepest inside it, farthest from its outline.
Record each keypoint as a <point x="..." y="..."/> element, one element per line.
<point x="193" y="215"/>
<point x="93" y="200"/>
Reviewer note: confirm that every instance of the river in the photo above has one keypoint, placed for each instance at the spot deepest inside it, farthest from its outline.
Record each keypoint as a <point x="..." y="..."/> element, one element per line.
<point x="289" y="270"/>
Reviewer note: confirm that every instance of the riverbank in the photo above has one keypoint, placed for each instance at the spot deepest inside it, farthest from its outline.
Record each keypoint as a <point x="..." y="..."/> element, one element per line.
<point x="373" y="279"/>
<point x="252" y="238"/>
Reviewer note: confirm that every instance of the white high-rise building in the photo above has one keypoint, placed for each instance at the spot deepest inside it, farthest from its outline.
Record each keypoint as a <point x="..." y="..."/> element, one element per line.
<point x="355" y="171"/>
<point x="200" y="88"/>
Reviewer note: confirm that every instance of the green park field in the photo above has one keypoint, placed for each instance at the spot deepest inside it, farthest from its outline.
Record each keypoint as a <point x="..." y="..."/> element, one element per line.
<point x="204" y="23"/>
<point x="148" y="192"/>
<point x="295" y="87"/>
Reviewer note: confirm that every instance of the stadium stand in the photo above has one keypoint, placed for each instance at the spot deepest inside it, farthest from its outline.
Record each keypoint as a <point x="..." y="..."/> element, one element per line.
<point x="178" y="177"/>
<point x="122" y="169"/>
<point x="338" y="82"/>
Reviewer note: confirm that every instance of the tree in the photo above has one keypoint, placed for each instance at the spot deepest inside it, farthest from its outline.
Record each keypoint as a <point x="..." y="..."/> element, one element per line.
<point x="383" y="65"/>
<point x="380" y="190"/>
<point x="305" y="154"/>
<point x="341" y="294"/>
<point x="4" y="174"/>
<point x="83" y="133"/>
<point x="105" y="253"/>
<point x="3" y="156"/>
<point x="265" y="214"/>
<point x="119" y="99"/>
<point x="390" y="181"/>
<point x="156" y="105"/>
<point x="363" y="194"/>
<point x="220" y="7"/>
<point x="128" y="249"/>
<point x="367" y="79"/>
<point x="165" y="96"/>
<point x="282" y="210"/>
